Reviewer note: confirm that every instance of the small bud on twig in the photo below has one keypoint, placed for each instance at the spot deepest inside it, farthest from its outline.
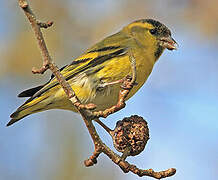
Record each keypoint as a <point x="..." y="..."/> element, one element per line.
<point x="45" y="25"/>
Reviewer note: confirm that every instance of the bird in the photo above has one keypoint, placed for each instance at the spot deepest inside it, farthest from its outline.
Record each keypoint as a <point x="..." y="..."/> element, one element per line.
<point x="94" y="74"/>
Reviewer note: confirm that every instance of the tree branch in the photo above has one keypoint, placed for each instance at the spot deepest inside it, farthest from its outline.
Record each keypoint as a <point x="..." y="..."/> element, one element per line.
<point x="84" y="110"/>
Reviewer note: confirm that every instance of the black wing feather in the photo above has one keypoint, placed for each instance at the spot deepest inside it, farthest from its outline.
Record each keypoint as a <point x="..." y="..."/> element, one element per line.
<point x="30" y="92"/>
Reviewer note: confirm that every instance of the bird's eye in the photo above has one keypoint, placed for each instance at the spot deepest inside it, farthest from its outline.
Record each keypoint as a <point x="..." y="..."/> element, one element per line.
<point x="153" y="31"/>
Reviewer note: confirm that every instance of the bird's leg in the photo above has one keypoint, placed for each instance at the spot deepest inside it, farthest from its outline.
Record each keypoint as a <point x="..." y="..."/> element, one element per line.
<point x="113" y="82"/>
<point x="103" y="85"/>
<point x="127" y="78"/>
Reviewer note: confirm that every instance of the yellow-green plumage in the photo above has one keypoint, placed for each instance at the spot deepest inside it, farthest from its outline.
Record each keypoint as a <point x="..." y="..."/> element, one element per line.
<point x="105" y="62"/>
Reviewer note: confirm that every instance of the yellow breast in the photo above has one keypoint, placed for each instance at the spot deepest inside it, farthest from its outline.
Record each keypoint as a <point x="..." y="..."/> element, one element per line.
<point x="86" y="87"/>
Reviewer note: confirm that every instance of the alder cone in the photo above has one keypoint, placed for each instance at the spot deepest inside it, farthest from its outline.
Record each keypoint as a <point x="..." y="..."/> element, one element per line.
<point x="132" y="133"/>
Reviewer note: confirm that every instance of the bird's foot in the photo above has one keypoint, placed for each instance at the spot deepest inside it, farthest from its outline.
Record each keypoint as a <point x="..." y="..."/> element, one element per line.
<point x="127" y="83"/>
<point x="126" y="87"/>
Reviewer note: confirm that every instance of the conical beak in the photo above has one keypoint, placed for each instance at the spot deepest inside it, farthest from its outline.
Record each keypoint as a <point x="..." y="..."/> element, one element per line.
<point x="169" y="43"/>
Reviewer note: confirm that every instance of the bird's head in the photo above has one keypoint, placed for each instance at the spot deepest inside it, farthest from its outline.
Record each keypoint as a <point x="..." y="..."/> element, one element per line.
<point x="152" y="33"/>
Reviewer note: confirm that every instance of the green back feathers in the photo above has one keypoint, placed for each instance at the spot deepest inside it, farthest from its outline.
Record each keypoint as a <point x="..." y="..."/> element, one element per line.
<point x="90" y="62"/>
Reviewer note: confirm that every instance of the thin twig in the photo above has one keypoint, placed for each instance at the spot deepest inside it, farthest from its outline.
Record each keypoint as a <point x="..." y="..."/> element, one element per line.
<point x="93" y="159"/>
<point x="82" y="109"/>
<point x="104" y="126"/>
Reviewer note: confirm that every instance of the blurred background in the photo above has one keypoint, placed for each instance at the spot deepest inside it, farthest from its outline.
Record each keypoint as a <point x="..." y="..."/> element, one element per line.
<point x="179" y="100"/>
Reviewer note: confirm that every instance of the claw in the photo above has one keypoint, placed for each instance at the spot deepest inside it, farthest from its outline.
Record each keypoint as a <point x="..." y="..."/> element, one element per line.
<point x="127" y="84"/>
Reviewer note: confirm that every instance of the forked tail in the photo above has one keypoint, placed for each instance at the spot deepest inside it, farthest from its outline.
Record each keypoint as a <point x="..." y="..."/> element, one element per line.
<point x="29" y="107"/>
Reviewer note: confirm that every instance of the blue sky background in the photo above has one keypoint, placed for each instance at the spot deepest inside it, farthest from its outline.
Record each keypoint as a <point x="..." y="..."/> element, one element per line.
<point x="179" y="101"/>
